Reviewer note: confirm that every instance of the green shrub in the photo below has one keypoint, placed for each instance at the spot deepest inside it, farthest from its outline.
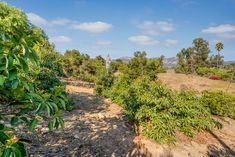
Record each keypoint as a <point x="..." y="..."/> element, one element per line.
<point x="222" y="73"/>
<point x="163" y="112"/>
<point x="219" y="103"/>
<point x="160" y="111"/>
<point x="103" y="83"/>
<point x="86" y="77"/>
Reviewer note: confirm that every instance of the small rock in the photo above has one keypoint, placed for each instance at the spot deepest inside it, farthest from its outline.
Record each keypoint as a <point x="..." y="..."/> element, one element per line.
<point x="114" y="126"/>
<point x="101" y="116"/>
<point x="76" y="136"/>
<point x="44" y="130"/>
<point x="55" y="150"/>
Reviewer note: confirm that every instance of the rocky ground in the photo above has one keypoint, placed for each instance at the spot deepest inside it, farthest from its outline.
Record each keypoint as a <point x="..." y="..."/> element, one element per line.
<point x="96" y="128"/>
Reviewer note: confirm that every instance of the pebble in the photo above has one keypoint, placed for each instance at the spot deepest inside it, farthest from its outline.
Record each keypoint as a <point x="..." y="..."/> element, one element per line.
<point x="55" y="150"/>
<point x="76" y="136"/>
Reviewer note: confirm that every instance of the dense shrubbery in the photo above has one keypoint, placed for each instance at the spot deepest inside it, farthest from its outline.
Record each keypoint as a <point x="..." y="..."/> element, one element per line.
<point x="221" y="73"/>
<point x="219" y="103"/>
<point x="103" y="83"/>
<point x="161" y="112"/>
<point x="81" y="66"/>
<point x="141" y="65"/>
<point x="30" y="91"/>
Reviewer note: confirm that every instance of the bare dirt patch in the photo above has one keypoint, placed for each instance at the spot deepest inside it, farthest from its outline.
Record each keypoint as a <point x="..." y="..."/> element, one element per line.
<point x="181" y="81"/>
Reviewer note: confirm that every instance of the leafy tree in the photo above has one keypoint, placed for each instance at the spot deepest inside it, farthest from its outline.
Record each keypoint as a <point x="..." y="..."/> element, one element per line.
<point x="136" y="65"/>
<point x="100" y="59"/>
<point x="201" y="48"/>
<point x="71" y="61"/>
<point x="197" y="57"/>
<point x="216" y="60"/>
<point x="21" y="102"/>
<point x="186" y="62"/>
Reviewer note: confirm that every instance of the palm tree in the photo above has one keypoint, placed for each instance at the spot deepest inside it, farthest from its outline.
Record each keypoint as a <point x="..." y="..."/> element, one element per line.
<point x="219" y="46"/>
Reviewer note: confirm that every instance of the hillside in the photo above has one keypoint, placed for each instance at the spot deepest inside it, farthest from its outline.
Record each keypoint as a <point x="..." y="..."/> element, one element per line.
<point x="181" y="81"/>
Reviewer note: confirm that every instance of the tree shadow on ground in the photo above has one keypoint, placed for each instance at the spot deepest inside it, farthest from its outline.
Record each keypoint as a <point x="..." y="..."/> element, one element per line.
<point x="214" y="151"/>
<point x="88" y="135"/>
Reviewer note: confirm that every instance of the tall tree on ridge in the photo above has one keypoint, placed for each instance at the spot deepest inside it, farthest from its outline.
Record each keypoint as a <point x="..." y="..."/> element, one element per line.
<point x="219" y="46"/>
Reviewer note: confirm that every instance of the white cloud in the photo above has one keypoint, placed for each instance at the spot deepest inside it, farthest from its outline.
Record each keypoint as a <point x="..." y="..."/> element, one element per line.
<point x="143" y="40"/>
<point x="171" y="42"/>
<point x="60" y="39"/>
<point x="93" y="27"/>
<point x="226" y="28"/>
<point x="225" y="31"/>
<point x="37" y="20"/>
<point x="61" y="22"/>
<point x="156" y="27"/>
<point x="103" y="43"/>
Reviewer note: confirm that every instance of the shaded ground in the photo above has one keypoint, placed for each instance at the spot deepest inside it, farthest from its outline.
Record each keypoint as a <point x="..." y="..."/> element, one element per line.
<point x="180" y="81"/>
<point x="95" y="129"/>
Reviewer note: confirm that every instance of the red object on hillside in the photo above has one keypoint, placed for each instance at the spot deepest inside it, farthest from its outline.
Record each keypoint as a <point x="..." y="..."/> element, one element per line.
<point x="214" y="78"/>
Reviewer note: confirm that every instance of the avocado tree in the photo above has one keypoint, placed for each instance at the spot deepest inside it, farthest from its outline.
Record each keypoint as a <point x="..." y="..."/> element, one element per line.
<point x="21" y="102"/>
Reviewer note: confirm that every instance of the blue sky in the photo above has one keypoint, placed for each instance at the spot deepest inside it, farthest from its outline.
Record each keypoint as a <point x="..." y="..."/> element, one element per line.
<point x="120" y="27"/>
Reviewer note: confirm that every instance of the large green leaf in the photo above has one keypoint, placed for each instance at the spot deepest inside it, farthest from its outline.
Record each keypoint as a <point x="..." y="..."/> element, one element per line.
<point x="2" y="80"/>
<point x="33" y="124"/>
<point x="14" y="120"/>
<point x="6" y="152"/>
<point x="12" y="74"/>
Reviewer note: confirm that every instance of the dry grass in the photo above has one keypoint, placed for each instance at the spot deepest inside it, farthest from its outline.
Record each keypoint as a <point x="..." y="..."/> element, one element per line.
<point x="182" y="81"/>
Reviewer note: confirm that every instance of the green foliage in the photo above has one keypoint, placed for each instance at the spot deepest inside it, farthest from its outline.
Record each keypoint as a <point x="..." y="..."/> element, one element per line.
<point x="201" y="50"/>
<point x="30" y="91"/>
<point x="186" y="62"/>
<point x="103" y="83"/>
<point x="159" y="111"/>
<point x="219" y="103"/>
<point x="82" y="66"/>
<point x="196" y="57"/>
<point x="222" y="73"/>
<point x="141" y="65"/>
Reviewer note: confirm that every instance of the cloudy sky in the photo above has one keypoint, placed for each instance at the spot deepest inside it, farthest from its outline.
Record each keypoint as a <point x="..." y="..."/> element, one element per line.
<point x="120" y="27"/>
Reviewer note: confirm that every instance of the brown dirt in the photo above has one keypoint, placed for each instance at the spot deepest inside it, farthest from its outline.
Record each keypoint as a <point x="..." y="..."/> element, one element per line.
<point x="96" y="128"/>
<point x="181" y="81"/>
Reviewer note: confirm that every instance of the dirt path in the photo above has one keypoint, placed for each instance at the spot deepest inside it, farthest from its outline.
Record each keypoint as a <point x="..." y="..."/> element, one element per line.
<point x="95" y="129"/>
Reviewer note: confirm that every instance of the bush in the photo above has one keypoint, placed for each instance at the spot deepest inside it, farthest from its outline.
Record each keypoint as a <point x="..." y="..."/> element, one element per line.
<point x="221" y="73"/>
<point x="160" y="111"/>
<point x="103" y="83"/>
<point x="219" y="103"/>
<point x="163" y="112"/>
